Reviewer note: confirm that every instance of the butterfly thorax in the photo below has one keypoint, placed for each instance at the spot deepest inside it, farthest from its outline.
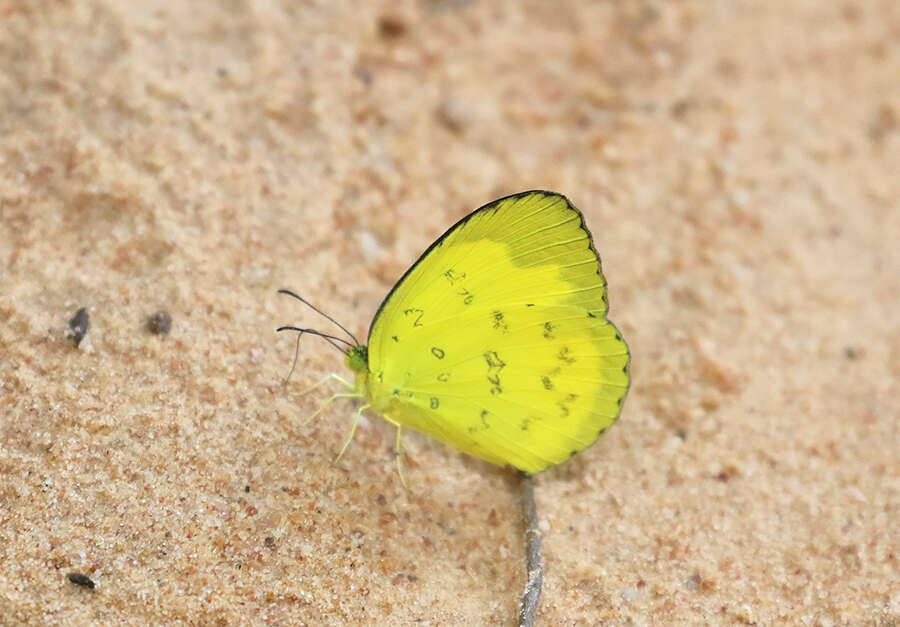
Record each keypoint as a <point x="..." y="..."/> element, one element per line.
<point x="370" y="386"/>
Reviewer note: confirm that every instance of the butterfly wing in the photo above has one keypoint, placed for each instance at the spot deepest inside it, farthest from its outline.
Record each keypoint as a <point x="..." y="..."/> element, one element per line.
<point x="496" y="341"/>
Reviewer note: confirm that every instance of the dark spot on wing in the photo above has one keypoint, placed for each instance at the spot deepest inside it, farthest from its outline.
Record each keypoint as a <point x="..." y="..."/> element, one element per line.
<point x="564" y="404"/>
<point x="415" y="315"/>
<point x="499" y="324"/>
<point x="493" y="361"/>
<point x="495" y="365"/>
<point x="453" y="276"/>
<point x="565" y="356"/>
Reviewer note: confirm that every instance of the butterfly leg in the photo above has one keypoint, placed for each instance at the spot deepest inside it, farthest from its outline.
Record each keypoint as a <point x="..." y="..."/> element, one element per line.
<point x="398" y="450"/>
<point x="398" y="447"/>
<point x="325" y="380"/>
<point x="328" y="402"/>
<point x="352" y="431"/>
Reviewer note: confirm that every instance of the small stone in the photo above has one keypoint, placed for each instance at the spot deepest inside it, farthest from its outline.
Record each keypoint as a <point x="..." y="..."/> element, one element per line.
<point x="81" y="580"/>
<point x="159" y="323"/>
<point x="79" y="325"/>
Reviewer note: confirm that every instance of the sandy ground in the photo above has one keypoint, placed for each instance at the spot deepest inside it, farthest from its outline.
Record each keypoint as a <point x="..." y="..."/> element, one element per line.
<point x="736" y="161"/>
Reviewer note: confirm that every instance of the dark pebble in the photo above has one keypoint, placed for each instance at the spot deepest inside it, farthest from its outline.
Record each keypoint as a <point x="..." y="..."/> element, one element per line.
<point x="81" y="580"/>
<point x="78" y="325"/>
<point x="159" y="323"/>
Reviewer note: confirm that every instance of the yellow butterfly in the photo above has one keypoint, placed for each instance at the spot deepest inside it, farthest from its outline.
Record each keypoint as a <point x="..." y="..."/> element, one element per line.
<point x="496" y="340"/>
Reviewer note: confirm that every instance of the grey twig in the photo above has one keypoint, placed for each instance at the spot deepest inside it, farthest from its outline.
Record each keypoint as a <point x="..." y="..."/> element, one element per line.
<point x="535" y="571"/>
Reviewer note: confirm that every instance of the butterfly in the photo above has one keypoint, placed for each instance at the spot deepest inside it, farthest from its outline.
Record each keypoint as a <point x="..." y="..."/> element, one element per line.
<point x="496" y="340"/>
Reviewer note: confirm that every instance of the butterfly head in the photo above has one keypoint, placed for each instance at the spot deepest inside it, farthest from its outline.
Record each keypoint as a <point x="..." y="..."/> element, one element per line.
<point x="357" y="358"/>
<point x="356" y="354"/>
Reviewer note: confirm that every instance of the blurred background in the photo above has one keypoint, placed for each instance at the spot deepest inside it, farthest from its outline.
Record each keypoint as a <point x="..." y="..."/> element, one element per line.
<point x="736" y="162"/>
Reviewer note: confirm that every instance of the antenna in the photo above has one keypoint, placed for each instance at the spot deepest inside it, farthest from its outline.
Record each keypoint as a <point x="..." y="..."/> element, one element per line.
<point x="296" y="357"/>
<point x="321" y="313"/>
<point x="331" y="339"/>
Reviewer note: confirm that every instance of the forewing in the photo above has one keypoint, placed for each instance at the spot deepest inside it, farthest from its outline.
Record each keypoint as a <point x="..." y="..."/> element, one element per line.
<point x="496" y="341"/>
